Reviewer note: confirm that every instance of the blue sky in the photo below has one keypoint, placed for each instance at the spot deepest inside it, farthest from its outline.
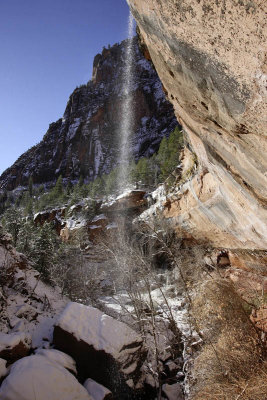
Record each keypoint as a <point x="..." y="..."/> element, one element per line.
<point x="47" y="48"/>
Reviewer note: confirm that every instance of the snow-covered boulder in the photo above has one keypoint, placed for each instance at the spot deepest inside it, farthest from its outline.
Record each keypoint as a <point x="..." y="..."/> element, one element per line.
<point x="39" y="378"/>
<point x="97" y="391"/>
<point x="59" y="357"/>
<point x="104" y="349"/>
<point x="130" y="201"/>
<point x="14" y="346"/>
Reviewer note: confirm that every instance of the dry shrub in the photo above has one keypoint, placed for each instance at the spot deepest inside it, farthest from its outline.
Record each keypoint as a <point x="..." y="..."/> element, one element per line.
<point x="253" y="388"/>
<point x="230" y="363"/>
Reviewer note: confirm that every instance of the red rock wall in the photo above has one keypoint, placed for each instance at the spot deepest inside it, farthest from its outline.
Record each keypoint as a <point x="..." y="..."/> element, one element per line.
<point x="211" y="59"/>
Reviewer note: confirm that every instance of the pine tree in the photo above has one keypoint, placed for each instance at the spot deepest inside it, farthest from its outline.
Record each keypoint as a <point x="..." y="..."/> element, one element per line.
<point x="30" y="186"/>
<point x="74" y="198"/>
<point x="111" y="181"/>
<point x="3" y="198"/>
<point x="84" y="191"/>
<point x="26" y="238"/>
<point x="69" y="188"/>
<point x="12" y="222"/>
<point x="169" y="151"/>
<point x="98" y="187"/>
<point x="163" y="156"/>
<point x="29" y="208"/>
<point x="44" y="250"/>
<point x="154" y="170"/>
<point x="58" y="189"/>
<point x="142" y="170"/>
<point x="57" y="195"/>
<point x="41" y="190"/>
<point x="79" y="192"/>
<point x="81" y="181"/>
<point x="42" y="202"/>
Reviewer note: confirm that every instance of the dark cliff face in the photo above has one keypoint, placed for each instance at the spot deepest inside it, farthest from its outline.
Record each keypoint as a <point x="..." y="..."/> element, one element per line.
<point x="86" y="140"/>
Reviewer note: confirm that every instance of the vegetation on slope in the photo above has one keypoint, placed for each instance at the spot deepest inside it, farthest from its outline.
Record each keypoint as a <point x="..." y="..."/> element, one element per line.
<point x="147" y="172"/>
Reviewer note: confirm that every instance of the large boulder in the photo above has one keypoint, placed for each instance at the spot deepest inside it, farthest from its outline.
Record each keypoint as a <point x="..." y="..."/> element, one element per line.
<point x="132" y="202"/>
<point x="173" y="392"/>
<point x="41" y="378"/>
<point x="106" y="350"/>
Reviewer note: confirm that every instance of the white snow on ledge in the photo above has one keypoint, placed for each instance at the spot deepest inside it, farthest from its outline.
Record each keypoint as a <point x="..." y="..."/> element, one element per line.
<point x="97" y="329"/>
<point x="97" y="391"/>
<point x="159" y="197"/>
<point x="99" y="218"/>
<point x="9" y="341"/>
<point x="112" y="225"/>
<point x="92" y="227"/>
<point x="72" y="223"/>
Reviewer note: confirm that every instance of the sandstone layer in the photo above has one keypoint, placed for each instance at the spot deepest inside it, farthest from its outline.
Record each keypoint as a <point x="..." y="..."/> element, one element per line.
<point x="211" y="59"/>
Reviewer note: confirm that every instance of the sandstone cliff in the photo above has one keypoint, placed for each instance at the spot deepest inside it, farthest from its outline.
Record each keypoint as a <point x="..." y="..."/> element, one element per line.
<point x="85" y="141"/>
<point x="211" y="59"/>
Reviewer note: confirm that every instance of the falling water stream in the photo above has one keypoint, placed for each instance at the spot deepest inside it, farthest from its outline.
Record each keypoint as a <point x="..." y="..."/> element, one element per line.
<point x="127" y="111"/>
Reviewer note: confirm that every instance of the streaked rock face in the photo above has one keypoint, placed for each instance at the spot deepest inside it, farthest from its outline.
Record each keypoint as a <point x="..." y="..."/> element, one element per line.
<point x="86" y="140"/>
<point x="210" y="59"/>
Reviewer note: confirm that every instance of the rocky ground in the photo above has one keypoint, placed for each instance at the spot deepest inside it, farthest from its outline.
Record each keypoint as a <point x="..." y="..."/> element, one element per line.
<point x="46" y="336"/>
<point x="132" y="343"/>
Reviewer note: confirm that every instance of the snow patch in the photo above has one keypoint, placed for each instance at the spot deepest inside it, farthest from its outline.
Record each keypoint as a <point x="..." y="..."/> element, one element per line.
<point x="159" y="197"/>
<point x="94" y="227"/>
<point x="97" y="391"/>
<point x="99" y="218"/>
<point x="58" y="357"/>
<point x="144" y="120"/>
<point x="113" y="225"/>
<point x="73" y="128"/>
<point x="11" y="340"/>
<point x="73" y="223"/>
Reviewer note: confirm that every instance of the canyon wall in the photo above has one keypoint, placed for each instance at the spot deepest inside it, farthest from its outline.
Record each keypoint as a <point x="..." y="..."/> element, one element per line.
<point x="86" y="140"/>
<point x="211" y="59"/>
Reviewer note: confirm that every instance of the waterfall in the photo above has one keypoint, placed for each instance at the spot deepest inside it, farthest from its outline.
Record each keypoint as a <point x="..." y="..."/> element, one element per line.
<point x="127" y="112"/>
